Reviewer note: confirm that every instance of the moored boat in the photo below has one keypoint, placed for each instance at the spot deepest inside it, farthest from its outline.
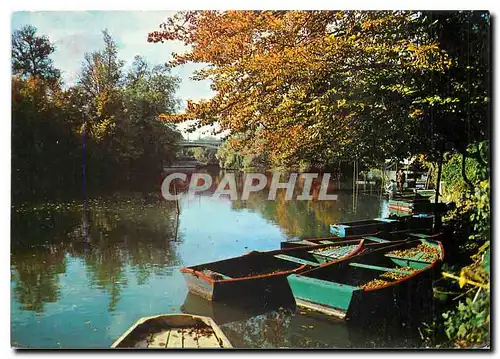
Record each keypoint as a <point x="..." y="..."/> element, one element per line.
<point x="326" y="240"/>
<point x="173" y="331"/>
<point x="419" y="222"/>
<point x="344" y="229"/>
<point x="255" y="274"/>
<point x="367" y="283"/>
<point x="415" y="206"/>
<point x="380" y="237"/>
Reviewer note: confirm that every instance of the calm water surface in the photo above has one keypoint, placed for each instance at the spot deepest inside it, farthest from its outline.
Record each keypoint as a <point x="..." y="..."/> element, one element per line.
<point x="72" y="290"/>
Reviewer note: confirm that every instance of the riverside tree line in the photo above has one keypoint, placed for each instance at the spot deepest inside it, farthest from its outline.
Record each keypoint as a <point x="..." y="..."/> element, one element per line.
<point x="112" y="110"/>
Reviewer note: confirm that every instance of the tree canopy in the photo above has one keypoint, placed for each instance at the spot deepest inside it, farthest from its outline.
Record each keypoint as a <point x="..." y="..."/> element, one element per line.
<point x="30" y="54"/>
<point x="315" y="87"/>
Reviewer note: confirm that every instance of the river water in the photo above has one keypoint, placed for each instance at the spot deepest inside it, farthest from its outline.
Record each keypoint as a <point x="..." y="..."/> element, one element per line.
<point x="81" y="275"/>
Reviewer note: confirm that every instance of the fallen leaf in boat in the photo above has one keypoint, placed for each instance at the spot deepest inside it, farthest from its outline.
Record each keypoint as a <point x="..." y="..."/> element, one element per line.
<point x="428" y="252"/>
<point x="302" y="312"/>
<point x="375" y="283"/>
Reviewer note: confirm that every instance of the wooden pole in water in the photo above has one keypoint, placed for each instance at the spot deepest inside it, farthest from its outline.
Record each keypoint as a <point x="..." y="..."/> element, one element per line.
<point x="438" y="181"/>
<point x="355" y="186"/>
<point x="177" y="214"/>
<point x="353" y="173"/>
<point x="177" y="209"/>
<point x="437" y="216"/>
<point x="382" y="173"/>
<point x="338" y="174"/>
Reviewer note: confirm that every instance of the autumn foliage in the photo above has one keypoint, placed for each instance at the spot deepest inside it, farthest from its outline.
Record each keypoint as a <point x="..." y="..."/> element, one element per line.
<point x="315" y="85"/>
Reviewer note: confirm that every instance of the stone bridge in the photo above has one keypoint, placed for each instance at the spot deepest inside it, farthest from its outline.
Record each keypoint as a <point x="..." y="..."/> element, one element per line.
<point x="201" y="143"/>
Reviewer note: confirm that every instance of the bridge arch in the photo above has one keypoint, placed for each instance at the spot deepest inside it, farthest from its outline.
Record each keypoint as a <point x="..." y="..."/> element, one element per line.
<point x="206" y="144"/>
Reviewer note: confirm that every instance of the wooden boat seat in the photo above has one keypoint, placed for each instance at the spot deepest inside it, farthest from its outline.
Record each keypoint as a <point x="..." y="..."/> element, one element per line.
<point x="419" y="235"/>
<point x="376" y="239"/>
<point x="296" y="260"/>
<point x="382" y="269"/>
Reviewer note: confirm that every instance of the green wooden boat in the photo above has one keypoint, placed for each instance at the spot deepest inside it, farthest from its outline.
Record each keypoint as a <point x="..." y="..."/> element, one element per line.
<point x="396" y="223"/>
<point x="344" y="229"/>
<point x="256" y="273"/>
<point x="380" y="237"/>
<point x="327" y="240"/>
<point x="371" y="282"/>
<point x="415" y="206"/>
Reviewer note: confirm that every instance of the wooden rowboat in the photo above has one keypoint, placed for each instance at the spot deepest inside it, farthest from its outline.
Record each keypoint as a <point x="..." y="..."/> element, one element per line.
<point x="415" y="206"/>
<point x="254" y="274"/>
<point x="381" y="237"/>
<point x="364" y="284"/>
<point x="344" y="229"/>
<point x="329" y="240"/>
<point x="418" y="222"/>
<point x="173" y="331"/>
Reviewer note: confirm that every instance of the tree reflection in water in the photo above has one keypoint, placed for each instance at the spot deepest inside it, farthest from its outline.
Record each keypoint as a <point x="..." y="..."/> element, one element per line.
<point x="137" y="232"/>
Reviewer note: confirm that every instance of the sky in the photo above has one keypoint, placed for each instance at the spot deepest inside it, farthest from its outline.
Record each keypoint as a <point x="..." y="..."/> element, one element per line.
<point x="75" y="33"/>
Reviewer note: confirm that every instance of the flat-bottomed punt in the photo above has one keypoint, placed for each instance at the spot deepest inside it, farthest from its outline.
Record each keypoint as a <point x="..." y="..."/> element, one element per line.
<point x="415" y="222"/>
<point x="369" y="283"/>
<point x="344" y="229"/>
<point x="173" y="331"/>
<point x="415" y="206"/>
<point x="256" y="274"/>
<point x="381" y="237"/>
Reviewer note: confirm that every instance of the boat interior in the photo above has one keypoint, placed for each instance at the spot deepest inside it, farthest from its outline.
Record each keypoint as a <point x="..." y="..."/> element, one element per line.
<point x="259" y="263"/>
<point x="379" y="237"/>
<point x="364" y="268"/>
<point x="172" y="332"/>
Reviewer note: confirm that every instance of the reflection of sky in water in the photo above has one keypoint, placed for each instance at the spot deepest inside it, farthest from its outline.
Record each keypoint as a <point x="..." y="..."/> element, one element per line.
<point x="66" y="322"/>
<point x="384" y="209"/>
<point x="222" y="232"/>
<point x="131" y="267"/>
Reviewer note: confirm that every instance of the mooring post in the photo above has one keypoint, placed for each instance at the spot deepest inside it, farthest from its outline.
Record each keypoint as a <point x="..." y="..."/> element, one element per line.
<point x="437" y="215"/>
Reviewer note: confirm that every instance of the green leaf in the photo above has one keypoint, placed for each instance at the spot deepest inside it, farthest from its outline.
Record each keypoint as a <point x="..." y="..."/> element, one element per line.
<point x="486" y="261"/>
<point x="462" y="330"/>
